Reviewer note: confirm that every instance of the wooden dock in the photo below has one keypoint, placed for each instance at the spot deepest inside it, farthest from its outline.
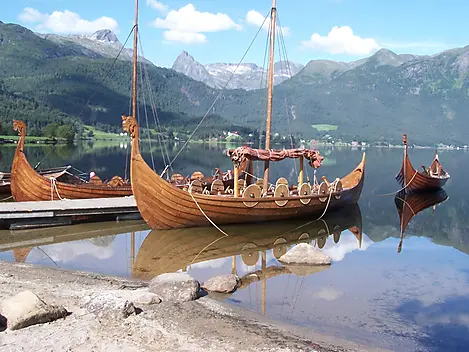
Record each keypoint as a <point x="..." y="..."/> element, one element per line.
<point x="22" y="215"/>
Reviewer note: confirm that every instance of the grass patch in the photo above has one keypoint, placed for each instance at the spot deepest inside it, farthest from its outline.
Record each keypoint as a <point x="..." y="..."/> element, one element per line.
<point x="324" y="127"/>
<point x="97" y="134"/>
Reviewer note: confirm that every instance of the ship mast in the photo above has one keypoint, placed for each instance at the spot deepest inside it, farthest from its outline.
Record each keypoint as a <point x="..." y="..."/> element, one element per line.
<point x="134" y="72"/>
<point x="273" y="19"/>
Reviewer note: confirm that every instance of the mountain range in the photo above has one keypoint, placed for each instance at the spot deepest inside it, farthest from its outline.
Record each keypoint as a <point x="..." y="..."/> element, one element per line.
<point x="47" y="78"/>
<point x="246" y="76"/>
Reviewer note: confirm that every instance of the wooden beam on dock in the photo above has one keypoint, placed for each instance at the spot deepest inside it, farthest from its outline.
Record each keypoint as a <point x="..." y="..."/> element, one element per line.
<point x="21" y="215"/>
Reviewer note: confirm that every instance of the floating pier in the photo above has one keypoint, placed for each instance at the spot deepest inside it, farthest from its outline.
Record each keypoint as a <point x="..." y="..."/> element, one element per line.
<point x="23" y="215"/>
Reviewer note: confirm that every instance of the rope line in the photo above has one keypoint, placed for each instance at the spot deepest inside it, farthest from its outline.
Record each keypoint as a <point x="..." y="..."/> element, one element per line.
<point x="218" y="96"/>
<point x="403" y="188"/>
<point x="107" y="73"/>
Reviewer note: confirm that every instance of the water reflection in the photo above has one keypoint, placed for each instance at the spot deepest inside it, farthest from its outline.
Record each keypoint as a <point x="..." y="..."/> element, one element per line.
<point x="172" y="250"/>
<point x="409" y="205"/>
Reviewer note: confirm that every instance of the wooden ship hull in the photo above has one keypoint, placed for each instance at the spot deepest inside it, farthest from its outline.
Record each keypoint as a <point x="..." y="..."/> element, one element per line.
<point x="165" y="251"/>
<point x="56" y="172"/>
<point x="28" y="185"/>
<point x="164" y="206"/>
<point x="420" y="181"/>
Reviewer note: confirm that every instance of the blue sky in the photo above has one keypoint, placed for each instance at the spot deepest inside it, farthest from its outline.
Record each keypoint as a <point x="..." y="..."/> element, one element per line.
<point x="221" y="30"/>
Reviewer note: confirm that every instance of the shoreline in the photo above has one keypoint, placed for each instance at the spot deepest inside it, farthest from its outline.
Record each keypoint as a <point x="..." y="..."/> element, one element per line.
<point x="205" y="324"/>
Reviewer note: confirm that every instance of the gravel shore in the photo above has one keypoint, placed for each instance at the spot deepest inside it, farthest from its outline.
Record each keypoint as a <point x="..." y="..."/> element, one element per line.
<point x="201" y="325"/>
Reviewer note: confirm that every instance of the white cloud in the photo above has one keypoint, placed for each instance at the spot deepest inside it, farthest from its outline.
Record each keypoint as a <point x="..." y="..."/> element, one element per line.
<point x="256" y="18"/>
<point x="158" y="6"/>
<point x="342" y="40"/>
<point x="187" y="25"/>
<point x="66" y="22"/>
<point x="347" y="244"/>
<point x="185" y="37"/>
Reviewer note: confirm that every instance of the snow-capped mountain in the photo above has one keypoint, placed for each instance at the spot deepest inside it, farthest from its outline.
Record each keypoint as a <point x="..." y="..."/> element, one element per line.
<point x="247" y="76"/>
<point x="102" y="43"/>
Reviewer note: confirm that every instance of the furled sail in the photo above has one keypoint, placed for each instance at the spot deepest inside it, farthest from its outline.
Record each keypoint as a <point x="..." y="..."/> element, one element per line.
<point x="242" y="153"/>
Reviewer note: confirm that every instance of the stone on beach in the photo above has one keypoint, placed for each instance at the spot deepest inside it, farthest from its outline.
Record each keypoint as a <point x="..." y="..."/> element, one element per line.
<point x="305" y="253"/>
<point x="109" y="305"/>
<point x="27" y="309"/>
<point x="175" y="287"/>
<point x="222" y="284"/>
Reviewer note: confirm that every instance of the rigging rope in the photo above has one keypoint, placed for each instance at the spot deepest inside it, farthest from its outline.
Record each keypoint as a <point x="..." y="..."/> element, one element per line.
<point x="156" y="119"/>
<point x="50" y="151"/>
<point x="218" y="96"/>
<point x="107" y="73"/>
<point x="403" y="188"/>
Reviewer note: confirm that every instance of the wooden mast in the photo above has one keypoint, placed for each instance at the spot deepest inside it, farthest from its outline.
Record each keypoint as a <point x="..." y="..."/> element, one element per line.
<point x="273" y="19"/>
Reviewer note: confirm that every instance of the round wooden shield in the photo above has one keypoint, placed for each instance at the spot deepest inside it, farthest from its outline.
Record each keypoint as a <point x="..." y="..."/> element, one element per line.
<point x="280" y="247"/>
<point x="338" y="187"/>
<point x="323" y="190"/>
<point x="305" y="190"/>
<point x="177" y="178"/>
<point x="322" y="241"/>
<point x="217" y="187"/>
<point x="336" y="232"/>
<point x="253" y="193"/>
<point x="196" y="187"/>
<point x="281" y="190"/>
<point x="250" y="258"/>
<point x="197" y="174"/>
<point x="281" y="181"/>
<point x="303" y="236"/>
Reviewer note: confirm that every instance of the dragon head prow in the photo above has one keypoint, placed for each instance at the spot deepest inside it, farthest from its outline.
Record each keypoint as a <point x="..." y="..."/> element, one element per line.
<point x="19" y="126"/>
<point x="130" y="125"/>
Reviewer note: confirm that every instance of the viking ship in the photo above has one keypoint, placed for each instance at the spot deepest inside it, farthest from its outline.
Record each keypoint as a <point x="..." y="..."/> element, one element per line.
<point x="409" y="205"/>
<point x="414" y="181"/>
<point x="56" y="172"/>
<point x="164" y="205"/>
<point x="166" y="251"/>
<point x="28" y="185"/>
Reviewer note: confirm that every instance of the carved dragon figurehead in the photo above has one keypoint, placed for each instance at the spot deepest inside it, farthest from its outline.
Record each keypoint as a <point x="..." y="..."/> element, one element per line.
<point x="129" y="124"/>
<point x="19" y="126"/>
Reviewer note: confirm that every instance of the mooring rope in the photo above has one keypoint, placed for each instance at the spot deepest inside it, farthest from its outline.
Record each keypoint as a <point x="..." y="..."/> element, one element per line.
<point x="215" y="225"/>
<point x="4" y="199"/>
<point x="53" y="186"/>
<point x="403" y="188"/>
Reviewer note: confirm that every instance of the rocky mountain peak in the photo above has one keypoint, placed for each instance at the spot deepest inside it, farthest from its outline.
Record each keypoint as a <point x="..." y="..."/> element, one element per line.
<point x="104" y="35"/>
<point x="188" y="66"/>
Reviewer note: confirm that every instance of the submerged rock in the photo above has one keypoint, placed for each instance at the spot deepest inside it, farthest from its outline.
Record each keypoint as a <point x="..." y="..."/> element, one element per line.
<point x="27" y="309"/>
<point x="304" y="253"/>
<point x="222" y="284"/>
<point x="109" y="305"/>
<point x="175" y="287"/>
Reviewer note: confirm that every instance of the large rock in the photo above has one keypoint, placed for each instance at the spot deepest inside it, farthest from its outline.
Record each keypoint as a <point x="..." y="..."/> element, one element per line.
<point x="109" y="305"/>
<point x="175" y="287"/>
<point x="27" y="309"/>
<point x="222" y="284"/>
<point x="304" y="253"/>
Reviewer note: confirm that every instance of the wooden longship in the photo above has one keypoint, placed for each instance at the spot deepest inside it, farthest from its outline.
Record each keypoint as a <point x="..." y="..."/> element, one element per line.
<point x="164" y="205"/>
<point x="56" y="172"/>
<point x="413" y="180"/>
<point x="409" y="205"/>
<point x="28" y="185"/>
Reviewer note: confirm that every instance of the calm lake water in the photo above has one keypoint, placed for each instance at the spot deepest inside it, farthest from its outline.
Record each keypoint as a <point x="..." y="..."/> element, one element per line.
<point x="415" y="300"/>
